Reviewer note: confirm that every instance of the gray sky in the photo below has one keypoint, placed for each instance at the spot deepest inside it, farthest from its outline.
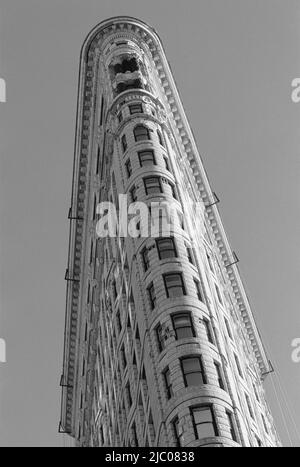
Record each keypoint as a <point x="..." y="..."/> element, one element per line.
<point x="233" y="61"/>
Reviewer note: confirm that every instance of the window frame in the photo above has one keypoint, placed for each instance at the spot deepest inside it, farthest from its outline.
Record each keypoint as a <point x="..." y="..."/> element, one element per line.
<point x="168" y="382"/>
<point x="201" y="372"/>
<point x="182" y="286"/>
<point x="213" y="423"/>
<point x="143" y="152"/>
<point x="154" y="177"/>
<point x="137" y="104"/>
<point x="151" y="295"/>
<point x="160" y="240"/>
<point x="191" y="326"/>
<point x="139" y="137"/>
<point x="128" y="168"/>
<point x="124" y="143"/>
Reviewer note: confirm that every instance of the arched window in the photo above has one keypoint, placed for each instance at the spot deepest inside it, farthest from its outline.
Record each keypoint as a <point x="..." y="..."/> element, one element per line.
<point x="141" y="133"/>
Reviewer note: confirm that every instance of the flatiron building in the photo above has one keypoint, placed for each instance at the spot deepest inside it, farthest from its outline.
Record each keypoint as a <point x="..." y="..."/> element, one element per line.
<point x="161" y="346"/>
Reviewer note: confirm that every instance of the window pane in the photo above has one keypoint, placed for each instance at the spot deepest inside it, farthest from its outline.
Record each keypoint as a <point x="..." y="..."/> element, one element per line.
<point x="146" y="158"/>
<point x="202" y="415"/>
<point x="194" y="379"/>
<point x="205" y="430"/>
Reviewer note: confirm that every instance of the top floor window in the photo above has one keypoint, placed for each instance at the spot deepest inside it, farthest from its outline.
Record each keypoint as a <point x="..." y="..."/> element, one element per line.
<point x="141" y="133"/>
<point x="135" y="109"/>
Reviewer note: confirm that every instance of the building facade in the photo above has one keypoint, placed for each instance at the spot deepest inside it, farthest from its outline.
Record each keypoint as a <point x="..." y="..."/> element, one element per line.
<point x="161" y="346"/>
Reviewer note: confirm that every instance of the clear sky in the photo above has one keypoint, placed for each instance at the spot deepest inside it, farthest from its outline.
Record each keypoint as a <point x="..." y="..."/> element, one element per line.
<point x="233" y="61"/>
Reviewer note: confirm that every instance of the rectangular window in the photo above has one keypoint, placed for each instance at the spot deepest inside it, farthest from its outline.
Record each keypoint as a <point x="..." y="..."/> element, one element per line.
<point x="175" y="425"/>
<point x="183" y="325"/>
<point x="174" y="285"/>
<point x="228" y="328"/>
<point x="210" y="263"/>
<point x="123" y="357"/>
<point x="167" y="165"/>
<point x="198" y="289"/>
<point x="118" y="321"/>
<point x="124" y="143"/>
<point x="160" y="338"/>
<point x="238" y="366"/>
<point x="173" y="189"/>
<point x="145" y="258"/>
<point x="152" y="297"/>
<point x="219" y="375"/>
<point x="146" y="158"/>
<point x="209" y="331"/>
<point x="133" y="194"/>
<point x="98" y="160"/>
<point x="190" y="255"/>
<point x="135" y="109"/>
<point x="114" y="287"/>
<point x="166" y="248"/>
<point x="193" y="371"/>
<point x="152" y="185"/>
<point x="128" y="168"/>
<point x="204" y="422"/>
<point x="128" y="393"/>
<point x="249" y="406"/>
<point x="168" y="384"/>
<point x="134" y="436"/>
<point x="231" y="425"/>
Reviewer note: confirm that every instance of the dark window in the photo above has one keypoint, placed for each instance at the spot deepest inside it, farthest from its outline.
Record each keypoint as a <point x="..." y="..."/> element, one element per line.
<point x="183" y="325"/>
<point x="231" y="425"/>
<point x="123" y="357"/>
<point x="249" y="406"/>
<point x="115" y="292"/>
<point x="118" y="319"/>
<point x="133" y="194"/>
<point x="190" y="255"/>
<point x="101" y="111"/>
<point x="167" y="165"/>
<point x="258" y="442"/>
<point x="193" y="372"/>
<point x="166" y="248"/>
<point x="174" y="285"/>
<point x="151" y="294"/>
<point x="95" y="208"/>
<point x="160" y="138"/>
<point x="145" y="258"/>
<point x="238" y="365"/>
<point x="146" y="158"/>
<point x="152" y="185"/>
<point x="141" y="133"/>
<point x="204" y="422"/>
<point x="168" y="384"/>
<point x="173" y="189"/>
<point x="128" y="168"/>
<point x="98" y="161"/>
<point x="160" y="338"/>
<point x="198" y="290"/>
<point x="208" y="330"/>
<point x="219" y="375"/>
<point x="128" y="393"/>
<point x="134" y="436"/>
<point x="135" y="109"/>
<point x="175" y="425"/>
<point x="124" y="143"/>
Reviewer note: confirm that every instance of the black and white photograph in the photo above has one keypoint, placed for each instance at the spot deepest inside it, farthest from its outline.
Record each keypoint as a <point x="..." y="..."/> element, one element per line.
<point x="149" y="226"/>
